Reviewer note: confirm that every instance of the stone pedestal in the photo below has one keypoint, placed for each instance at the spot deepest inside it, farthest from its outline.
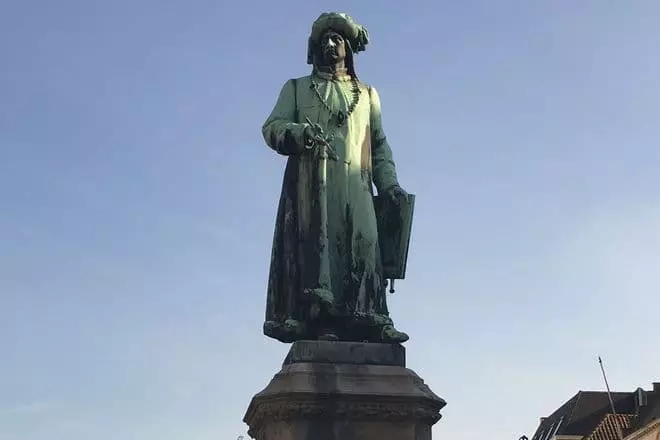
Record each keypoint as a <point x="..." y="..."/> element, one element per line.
<point x="344" y="391"/>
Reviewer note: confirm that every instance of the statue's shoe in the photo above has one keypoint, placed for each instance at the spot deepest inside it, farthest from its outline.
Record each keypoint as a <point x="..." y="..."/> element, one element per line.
<point x="390" y="335"/>
<point x="328" y="337"/>
<point x="288" y="331"/>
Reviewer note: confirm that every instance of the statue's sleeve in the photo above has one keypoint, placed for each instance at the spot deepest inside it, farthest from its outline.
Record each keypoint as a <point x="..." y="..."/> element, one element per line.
<point x="281" y="131"/>
<point x="382" y="164"/>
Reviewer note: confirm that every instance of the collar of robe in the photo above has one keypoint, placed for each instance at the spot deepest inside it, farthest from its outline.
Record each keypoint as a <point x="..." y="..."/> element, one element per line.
<point x="333" y="76"/>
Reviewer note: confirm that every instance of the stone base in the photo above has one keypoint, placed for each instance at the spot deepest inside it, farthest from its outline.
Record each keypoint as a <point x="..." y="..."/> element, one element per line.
<point x="344" y="391"/>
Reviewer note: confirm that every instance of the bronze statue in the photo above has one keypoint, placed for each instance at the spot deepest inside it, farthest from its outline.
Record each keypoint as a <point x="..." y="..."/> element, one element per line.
<point x="326" y="276"/>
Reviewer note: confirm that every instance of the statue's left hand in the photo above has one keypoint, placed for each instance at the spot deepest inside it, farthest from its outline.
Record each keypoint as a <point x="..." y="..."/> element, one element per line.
<point x="396" y="194"/>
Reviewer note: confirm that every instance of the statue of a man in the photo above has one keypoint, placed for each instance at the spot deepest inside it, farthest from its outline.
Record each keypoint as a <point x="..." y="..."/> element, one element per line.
<point x="326" y="278"/>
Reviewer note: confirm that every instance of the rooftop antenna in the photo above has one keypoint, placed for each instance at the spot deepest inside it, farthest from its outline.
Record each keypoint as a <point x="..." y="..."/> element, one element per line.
<point x="609" y="395"/>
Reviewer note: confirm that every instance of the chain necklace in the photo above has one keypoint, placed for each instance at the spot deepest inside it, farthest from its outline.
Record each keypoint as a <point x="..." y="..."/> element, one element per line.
<point x="339" y="116"/>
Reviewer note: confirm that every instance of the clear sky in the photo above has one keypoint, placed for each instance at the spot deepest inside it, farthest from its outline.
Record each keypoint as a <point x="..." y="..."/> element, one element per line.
<point x="138" y="202"/>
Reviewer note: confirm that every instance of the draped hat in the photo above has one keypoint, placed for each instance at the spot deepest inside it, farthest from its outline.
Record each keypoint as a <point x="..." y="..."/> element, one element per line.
<point x="356" y="35"/>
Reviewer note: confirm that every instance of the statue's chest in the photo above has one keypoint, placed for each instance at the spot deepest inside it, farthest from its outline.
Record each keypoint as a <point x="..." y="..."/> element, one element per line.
<point x="337" y="96"/>
<point x="333" y="103"/>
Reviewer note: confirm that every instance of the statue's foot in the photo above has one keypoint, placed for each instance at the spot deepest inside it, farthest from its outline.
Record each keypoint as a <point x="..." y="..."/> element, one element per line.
<point x="390" y="335"/>
<point x="328" y="336"/>
<point x="288" y="331"/>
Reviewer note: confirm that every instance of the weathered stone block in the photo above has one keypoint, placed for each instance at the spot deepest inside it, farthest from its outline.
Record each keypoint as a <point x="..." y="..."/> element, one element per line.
<point x="339" y="391"/>
<point x="346" y="353"/>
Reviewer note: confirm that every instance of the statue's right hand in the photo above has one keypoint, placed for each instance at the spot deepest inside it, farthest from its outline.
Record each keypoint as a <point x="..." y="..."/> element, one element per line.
<point x="308" y="136"/>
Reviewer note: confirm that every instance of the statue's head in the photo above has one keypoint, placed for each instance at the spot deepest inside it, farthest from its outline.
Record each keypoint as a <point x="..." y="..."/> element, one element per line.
<point x="333" y="47"/>
<point x="336" y="37"/>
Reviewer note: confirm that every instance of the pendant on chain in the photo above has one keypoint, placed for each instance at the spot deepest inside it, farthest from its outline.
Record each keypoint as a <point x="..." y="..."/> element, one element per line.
<point x="341" y="118"/>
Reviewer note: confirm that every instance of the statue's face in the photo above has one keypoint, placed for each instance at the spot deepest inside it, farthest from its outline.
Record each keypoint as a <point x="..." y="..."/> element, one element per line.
<point x="333" y="47"/>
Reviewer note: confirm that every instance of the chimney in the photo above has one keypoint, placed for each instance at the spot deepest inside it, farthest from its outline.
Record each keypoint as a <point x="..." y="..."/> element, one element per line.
<point x="640" y="398"/>
<point x="656" y="387"/>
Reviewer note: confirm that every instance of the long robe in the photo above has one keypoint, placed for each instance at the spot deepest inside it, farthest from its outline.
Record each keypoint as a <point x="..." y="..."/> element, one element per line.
<point x="325" y="249"/>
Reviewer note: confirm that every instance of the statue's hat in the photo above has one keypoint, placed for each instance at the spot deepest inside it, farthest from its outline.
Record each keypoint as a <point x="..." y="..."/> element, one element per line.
<point x="356" y="34"/>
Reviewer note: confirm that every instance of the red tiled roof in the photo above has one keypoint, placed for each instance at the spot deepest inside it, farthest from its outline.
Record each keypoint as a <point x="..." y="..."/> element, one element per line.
<point x="582" y="413"/>
<point x="608" y="429"/>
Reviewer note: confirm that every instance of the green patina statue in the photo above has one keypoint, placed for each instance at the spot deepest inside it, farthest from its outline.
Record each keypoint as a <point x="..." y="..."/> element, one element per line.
<point x="326" y="273"/>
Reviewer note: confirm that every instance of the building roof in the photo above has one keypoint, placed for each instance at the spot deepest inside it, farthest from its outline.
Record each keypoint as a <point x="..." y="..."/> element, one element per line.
<point x="650" y="411"/>
<point x="581" y="414"/>
<point x="610" y="427"/>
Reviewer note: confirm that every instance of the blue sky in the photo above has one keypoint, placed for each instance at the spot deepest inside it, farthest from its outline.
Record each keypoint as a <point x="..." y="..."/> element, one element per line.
<point x="138" y="204"/>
